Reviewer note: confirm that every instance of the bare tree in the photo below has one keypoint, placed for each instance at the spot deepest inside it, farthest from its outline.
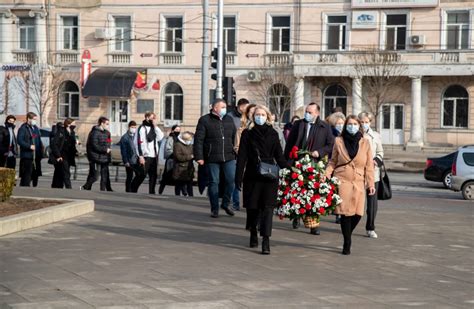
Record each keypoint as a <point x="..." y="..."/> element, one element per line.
<point x="276" y="88"/>
<point x="381" y="73"/>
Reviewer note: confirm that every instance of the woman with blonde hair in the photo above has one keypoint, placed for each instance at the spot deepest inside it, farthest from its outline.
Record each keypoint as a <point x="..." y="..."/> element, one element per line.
<point x="259" y="143"/>
<point x="336" y="120"/>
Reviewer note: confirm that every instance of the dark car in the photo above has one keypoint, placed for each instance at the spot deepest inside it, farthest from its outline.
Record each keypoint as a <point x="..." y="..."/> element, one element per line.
<point x="439" y="169"/>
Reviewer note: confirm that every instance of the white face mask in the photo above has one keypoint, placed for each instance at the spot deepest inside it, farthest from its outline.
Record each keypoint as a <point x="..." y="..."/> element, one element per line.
<point x="339" y="127"/>
<point x="33" y="122"/>
<point x="366" y="127"/>
<point x="133" y="130"/>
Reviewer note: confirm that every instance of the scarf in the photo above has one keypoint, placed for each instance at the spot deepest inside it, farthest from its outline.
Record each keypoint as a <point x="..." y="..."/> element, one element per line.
<point x="352" y="143"/>
<point x="259" y="139"/>
<point x="151" y="135"/>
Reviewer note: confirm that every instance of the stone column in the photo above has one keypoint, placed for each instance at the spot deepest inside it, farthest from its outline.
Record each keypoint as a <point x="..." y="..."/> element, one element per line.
<point x="416" y="134"/>
<point x="6" y="43"/>
<point x="356" y="95"/>
<point x="299" y="95"/>
<point x="40" y="29"/>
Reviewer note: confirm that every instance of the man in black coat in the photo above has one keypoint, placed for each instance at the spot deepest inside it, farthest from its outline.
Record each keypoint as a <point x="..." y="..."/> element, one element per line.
<point x="63" y="153"/>
<point x="98" y="154"/>
<point x="8" y="143"/>
<point x="31" y="151"/>
<point x="214" y="147"/>
<point x="311" y="134"/>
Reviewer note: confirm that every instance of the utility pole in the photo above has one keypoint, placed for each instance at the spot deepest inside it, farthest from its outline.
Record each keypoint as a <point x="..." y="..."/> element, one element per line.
<point x="205" y="59"/>
<point x="220" y="48"/>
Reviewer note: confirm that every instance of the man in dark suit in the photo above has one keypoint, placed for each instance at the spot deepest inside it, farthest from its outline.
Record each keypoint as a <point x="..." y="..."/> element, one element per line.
<point x="312" y="134"/>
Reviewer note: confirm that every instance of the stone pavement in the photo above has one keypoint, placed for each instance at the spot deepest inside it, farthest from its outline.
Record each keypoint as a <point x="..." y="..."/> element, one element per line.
<point x="140" y="251"/>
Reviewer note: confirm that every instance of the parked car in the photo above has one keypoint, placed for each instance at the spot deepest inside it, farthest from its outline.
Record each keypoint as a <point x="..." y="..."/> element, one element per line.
<point x="45" y="133"/>
<point x="463" y="172"/>
<point x="439" y="169"/>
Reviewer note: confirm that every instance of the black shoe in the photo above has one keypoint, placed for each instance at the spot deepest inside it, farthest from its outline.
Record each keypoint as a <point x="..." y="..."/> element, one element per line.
<point x="346" y="249"/>
<point x="110" y="190"/>
<point x="266" y="245"/>
<point x="214" y="214"/>
<point x="315" y="231"/>
<point x="296" y="223"/>
<point x="229" y="211"/>
<point x="253" y="239"/>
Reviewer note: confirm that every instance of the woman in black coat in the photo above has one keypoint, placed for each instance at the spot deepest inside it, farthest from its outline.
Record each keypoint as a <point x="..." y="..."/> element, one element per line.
<point x="259" y="194"/>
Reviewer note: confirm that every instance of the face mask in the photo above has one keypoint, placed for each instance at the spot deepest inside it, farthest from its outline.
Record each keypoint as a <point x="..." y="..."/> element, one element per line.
<point x="33" y="122"/>
<point x="339" y="127"/>
<point x="188" y="142"/>
<point x="366" y="126"/>
<point x="352" y="129"/>
<point x="72" y="127"/>
<point x="105" y="126"/>
<point x="10" y="125"/>
<point x="260" y="120"/>
<point x="223" y="112"/>
<point x="133" y="130"/>
<point x="308" y="117"/>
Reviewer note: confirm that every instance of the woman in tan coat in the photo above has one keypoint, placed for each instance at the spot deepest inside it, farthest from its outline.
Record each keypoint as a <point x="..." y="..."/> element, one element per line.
<point x="352" y="163"/>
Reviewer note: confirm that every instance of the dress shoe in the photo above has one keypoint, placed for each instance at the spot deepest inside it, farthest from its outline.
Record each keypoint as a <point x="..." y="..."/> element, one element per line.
<point x="229" y="211"/>
<point x="266" y="245"/>
<point x="253" y="239"/>
<point x="214" y="214"/>
<point x="315" y="231"/>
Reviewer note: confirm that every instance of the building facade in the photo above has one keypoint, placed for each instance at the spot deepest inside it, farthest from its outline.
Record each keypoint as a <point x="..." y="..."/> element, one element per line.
<point x="317" y="45"/>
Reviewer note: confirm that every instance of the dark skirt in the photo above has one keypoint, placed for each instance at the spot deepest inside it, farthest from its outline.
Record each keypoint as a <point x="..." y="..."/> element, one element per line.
<point x="259" y="194"/>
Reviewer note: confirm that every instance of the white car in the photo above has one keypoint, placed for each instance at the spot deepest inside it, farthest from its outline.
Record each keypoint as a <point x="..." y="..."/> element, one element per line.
<point x="463" y="172"/>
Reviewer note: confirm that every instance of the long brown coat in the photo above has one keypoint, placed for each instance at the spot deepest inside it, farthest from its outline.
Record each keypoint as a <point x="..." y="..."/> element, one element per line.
<point x="355" y="177"/>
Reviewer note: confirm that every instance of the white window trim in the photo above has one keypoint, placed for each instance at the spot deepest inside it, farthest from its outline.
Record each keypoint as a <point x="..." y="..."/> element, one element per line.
<point x="325" y="29"/>
<point x="236" y="27"/>
<point x="162" y="44"/>
<point x="268" y="36"/>
<point x="26" y="27"/>
<point x="163" y="102"/>
<point x="383" y="29"/>
<point x="444" y="27"/>
<point x="60" y="32"/>
<point x="454" y="109"/>
<point x="111" y="31"/>
<point x="60" y="103"/>
<point x="324" y="97"/>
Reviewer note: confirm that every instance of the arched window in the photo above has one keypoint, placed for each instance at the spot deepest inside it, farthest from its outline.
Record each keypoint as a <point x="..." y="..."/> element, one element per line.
<point x="68" y="100"/>
<point x="455" y="107"/>
<point x="279" y="102"/>
<point x="173" y="102"/>
<point x="335" y="96"/>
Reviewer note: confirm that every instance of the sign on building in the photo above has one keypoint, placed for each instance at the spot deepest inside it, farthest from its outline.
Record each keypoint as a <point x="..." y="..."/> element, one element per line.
<point x="393" y="3"/>
<point x="365" y="19"/>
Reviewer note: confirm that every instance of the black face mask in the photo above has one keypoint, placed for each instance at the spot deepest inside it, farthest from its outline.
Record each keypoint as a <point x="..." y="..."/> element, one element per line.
<point x="10" y="125"/>
<point x="72" y="128"/>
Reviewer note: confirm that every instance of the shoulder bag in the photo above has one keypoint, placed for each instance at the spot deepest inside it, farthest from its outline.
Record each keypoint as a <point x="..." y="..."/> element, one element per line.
<point x="384" y="190"/>
<point x="269" y="171"/>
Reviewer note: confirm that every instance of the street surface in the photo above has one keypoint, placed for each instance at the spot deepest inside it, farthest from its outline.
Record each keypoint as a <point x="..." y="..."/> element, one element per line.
<point x="140" y="251"/>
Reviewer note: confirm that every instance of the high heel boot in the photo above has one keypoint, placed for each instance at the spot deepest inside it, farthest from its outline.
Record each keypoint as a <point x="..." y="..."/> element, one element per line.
<point x="266" y="245"/>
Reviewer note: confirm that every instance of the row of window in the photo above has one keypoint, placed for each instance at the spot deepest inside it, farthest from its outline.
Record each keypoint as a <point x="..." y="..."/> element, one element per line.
<point x="457" y="32"/>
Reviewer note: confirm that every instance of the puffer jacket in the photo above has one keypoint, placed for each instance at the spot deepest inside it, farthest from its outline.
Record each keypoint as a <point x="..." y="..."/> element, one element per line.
<point x="214" y="139"/>
<point x="98" y="142"/>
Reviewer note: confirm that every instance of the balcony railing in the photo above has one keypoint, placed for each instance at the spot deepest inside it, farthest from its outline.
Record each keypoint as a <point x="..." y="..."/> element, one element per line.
<point x="171" y="59"/>
<point x="278" y="59"/>
<point x="67" y="57"/>
<point x="230" y="59"/>
<point x="24" y="56"/>
<point x="120" y="58"/>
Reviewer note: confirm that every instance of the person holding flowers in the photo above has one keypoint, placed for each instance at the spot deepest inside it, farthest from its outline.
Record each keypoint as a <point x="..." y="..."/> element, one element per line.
<point x="259" y="143"/>
<point x="352" y="164"/>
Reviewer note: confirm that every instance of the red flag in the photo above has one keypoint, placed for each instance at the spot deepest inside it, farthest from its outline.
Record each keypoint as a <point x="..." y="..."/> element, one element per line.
<point x="140" y="82"/>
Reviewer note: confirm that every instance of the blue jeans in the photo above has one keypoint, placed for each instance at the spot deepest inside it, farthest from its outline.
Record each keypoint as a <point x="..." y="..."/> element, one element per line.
<point x="213" y="188"/>
<point x="236" y="199"/>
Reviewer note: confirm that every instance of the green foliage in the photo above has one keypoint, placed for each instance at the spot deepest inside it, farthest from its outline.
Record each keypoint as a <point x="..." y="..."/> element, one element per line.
<point x="7" y="183"/>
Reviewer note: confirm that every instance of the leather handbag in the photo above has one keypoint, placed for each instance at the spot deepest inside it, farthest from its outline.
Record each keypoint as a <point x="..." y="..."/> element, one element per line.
<point x="384" y="190"/>
<point x="269" y="171"/>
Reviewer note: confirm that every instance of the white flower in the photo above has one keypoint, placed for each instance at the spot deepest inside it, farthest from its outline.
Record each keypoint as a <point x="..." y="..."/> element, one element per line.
<point x="300" y="177"/>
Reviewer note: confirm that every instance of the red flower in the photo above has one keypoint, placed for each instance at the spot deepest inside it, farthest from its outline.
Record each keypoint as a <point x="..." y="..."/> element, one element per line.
<point x="294" y="153"/>
<point x="329" y="200"/>
<point x="322" y="211"/>
<point x="298" y="165"/>
<point x="34" y="135"/>
<point x="302" y="211"/>
<point x="310" y="169"/>
<point x="294" y="175"/>
<point x="311" y="177"/>
<point x="284" y="201"/>
<point x="293" y="200"/>
<point x="109" y="140"/>
<point x="317" y="185"/>
<point x="308" y="206"/>
<point x="313" y="199"/>
<point x="332" y="187"/>
<point x="287" y="190"/>
<point x="318" y="196"/>
<point x="300" y="183"/>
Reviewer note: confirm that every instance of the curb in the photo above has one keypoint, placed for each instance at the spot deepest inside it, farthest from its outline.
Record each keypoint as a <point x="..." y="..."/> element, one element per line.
<point x="45" y="216"/>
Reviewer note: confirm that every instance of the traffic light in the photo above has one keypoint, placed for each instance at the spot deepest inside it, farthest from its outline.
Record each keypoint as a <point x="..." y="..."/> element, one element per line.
<point x="215" y="57"/>
<point x="228" y="93"/>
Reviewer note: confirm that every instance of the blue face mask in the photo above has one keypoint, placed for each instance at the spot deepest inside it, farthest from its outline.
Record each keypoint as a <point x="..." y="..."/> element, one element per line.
<point x="308" y="117"/>
<point x="366" y="127"/>
<point x="339" y="127"/>
<point x="352" y="129"/>
<point x="260" y="120"/>
<point x="223" y="112"/>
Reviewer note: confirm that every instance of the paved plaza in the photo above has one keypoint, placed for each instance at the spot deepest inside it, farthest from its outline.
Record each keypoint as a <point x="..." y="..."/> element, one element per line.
<point x="140" y="251"/>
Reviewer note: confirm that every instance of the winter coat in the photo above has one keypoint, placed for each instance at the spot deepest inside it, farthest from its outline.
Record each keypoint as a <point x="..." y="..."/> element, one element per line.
<point x="236" y="118"/>
<point x="183" y="169"/>
<point x="128" y="150"/>
<point x="63" y="145"/>
<point x="5" y="142"/>
<point x="320" y="138"/>
<point x="355" y="177"/>
<point x="143" y="146"/>
<point x="170" y="140"/>
<point x="98" y="142"/>
<point x="28" y="136"/>
<point x="266" y="140"/>
<point x="214" y="139"/>
<point x="377" y="150"/>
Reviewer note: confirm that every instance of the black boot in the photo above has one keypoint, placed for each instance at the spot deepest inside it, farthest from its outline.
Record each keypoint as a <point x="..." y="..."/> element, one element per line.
<point x="253" y="239"/>
<point x="346" y="249"/>
<point x="266" y="245"/>
<point x="315" y="231"/>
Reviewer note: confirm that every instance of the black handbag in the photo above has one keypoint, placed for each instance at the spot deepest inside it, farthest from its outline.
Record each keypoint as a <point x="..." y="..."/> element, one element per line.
<point x="384" y="190"/>
<point x="269" y="171"/>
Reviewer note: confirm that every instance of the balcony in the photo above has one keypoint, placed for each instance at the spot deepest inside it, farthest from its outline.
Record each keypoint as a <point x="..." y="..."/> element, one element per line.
<point x="278" y="59"/>
<point x="67" y="57"/>
<point x="425" y="62"/>
<point x="24" y="56"/>
<point x="120" y="58"/>
<point x="230" y="59"/>
<point x="171" y="58"/>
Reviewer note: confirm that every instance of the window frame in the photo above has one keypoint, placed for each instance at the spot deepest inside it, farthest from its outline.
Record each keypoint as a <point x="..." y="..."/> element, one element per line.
<point x="332" y="97"/>
<point x="113" y="31"/>
<point x="269" y="33"/>
<point x="226" y="29"/>
<point x="325" y="30"/>
<point x="27" y="29"/>
<point x="383" y="32"/>
<point x="455" y="103"/>
<point x="165" y="32"/>
<point x="172" y="95"/>
<point x="445" y="24"/>
<point x="69" y="104"/>
<point x="60" y="32"/>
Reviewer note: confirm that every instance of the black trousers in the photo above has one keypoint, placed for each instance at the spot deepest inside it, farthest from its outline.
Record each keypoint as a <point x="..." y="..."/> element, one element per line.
<point x="131" y="171"/>
<point x="264" y="216"/>
<point x="8" y="162"/>
<point x="184" y="187"/>
<point x="348" y="224"/>
<point x="151" y="169"/>
<point x="62" y="175"/>
<point x="94" y="170"/>
<point x="29" y="172"/>
<point x="372" y="207"/>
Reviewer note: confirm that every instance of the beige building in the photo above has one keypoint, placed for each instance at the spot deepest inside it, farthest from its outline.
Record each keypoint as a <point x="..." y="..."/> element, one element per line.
<point x="320" y="45"/>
